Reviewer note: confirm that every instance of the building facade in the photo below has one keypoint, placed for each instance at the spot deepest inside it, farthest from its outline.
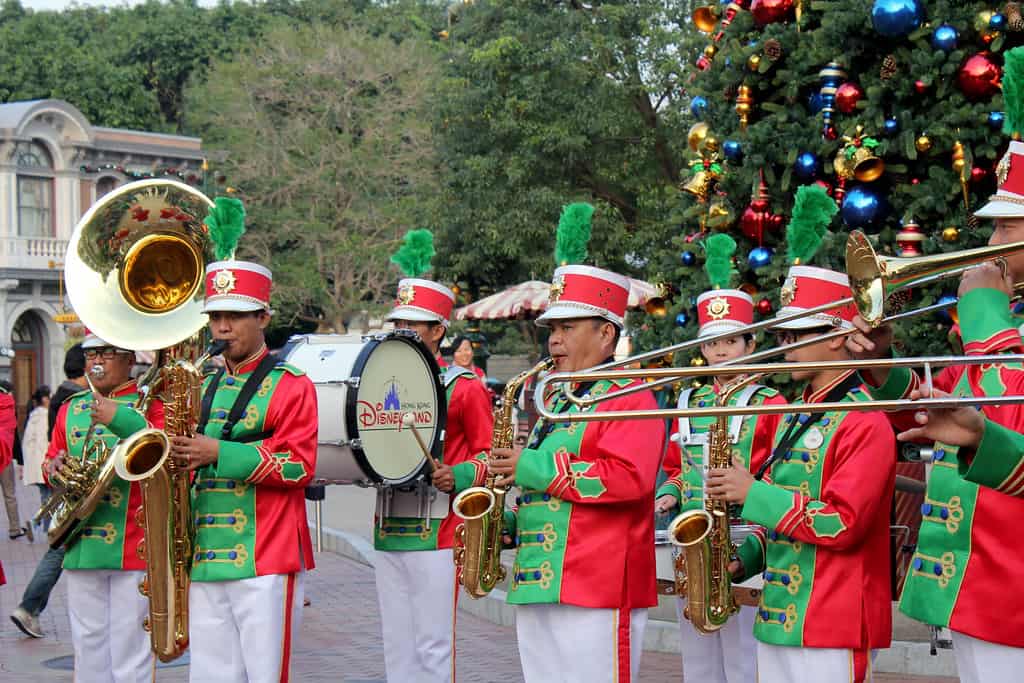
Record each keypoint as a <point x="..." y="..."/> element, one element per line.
<point x="54" y="165"/>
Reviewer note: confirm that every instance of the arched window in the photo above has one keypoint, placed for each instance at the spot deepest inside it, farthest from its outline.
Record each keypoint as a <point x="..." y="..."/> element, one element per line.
<point x="105" y="185"/>
<point x="35" y="190"/>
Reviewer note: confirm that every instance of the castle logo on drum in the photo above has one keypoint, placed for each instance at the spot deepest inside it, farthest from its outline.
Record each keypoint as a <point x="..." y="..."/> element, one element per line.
<point x="391" y="401"/>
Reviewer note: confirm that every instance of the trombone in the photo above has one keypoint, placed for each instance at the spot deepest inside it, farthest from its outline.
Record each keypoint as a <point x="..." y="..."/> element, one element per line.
<point x="875" y="283"/>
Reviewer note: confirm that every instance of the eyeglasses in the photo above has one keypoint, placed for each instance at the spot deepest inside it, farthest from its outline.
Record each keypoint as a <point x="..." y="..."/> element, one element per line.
<point x="785" y="337"/>
<point x="106" y="353"/>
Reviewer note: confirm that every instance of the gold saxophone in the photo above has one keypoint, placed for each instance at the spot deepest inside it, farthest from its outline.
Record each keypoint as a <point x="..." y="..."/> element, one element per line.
<point x="703" y="537"/>
<point x="482" y="508"/>
<point x="166" y="513"/>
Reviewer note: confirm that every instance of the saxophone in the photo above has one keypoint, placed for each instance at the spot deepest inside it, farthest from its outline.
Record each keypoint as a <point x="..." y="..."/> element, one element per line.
<point x="166" y="513"/>
<point x="703" y="537"/>
<point x="482" y="508"/>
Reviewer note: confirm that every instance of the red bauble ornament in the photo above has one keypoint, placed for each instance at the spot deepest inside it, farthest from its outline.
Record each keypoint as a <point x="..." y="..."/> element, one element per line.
<point x="831" y="133"/>
<point x="825" y="186"/>
<point x="978" y="174"/>
<point x="757" y="218"/>
<point x="915" y="181"/>
<point x="909" y="239"/>
<point x="979" y="76"/>
<point x="920" y="86"/>
<point x="847" y="97"/>
<point x="771" y="11"/>
<point x="764" y="306"/>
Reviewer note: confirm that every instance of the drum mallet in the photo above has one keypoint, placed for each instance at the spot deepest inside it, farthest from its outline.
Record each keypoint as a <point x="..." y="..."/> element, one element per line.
<point x="409" y="420"/>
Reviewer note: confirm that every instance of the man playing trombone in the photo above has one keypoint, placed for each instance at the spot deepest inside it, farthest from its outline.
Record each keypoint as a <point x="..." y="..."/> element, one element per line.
<point x="958" y="576"/>
<point x="824" y="501"/>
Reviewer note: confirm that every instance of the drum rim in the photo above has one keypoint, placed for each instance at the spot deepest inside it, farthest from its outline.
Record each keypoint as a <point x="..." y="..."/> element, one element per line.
<point x="351" y="405"/>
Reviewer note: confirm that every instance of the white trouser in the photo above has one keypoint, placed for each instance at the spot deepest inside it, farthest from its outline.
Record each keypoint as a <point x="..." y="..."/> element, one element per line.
<point x="982" y="661"/>
<point x="728" y="655"/>
<point x="244" y="630"/>
<point x="107" y="612"/>
<point x="787" y="664"/>
<point x="416" y="591"/>
<point x="570" y="644"/>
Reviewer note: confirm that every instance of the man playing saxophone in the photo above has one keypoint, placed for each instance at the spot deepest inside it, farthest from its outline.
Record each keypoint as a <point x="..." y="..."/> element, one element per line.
<point x="727" y="655"/>
<point x="824" y="502"/>
<point x="254" y="451"/>
<point x="584" y="575"/>
<point x="103" y="567"/>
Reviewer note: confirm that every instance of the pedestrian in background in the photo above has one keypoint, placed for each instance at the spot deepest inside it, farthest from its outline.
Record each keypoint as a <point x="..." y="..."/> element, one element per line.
<point x="34" y="441"/>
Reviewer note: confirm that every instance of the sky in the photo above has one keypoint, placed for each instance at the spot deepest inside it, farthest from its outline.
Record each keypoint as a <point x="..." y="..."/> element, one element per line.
<point x="61" y="4"/>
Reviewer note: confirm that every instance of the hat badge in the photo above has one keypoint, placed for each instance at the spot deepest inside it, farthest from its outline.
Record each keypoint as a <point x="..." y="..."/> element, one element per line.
<point x="557" y="288"/>
<point x="224" y="281"/>
<point x="1003" y="169"/>
<point x="718" y="308"/>
<point x="788" y="291"/>
<point x="406" y="293"/>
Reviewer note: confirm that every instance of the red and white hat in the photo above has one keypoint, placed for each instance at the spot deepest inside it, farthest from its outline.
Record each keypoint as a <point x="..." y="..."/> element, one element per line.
<point x="237" y="286"/>
<point x="423" y="301"/>
<point x="586" y="292"/>
<point x="807" y="287"/>
<point x="94" y="341"/>
<point x="722" y="310"/>
<point x="1008" y="201"/>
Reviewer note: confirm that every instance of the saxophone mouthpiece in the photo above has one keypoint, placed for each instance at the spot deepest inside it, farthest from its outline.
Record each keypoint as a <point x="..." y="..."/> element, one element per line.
<point x="216" y="348"/>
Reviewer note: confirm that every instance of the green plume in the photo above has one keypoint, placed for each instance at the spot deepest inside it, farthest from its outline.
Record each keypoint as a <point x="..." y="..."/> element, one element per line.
<point x="226" y="223"/>
<point x="812" y="213"/>
<point x="719" y="249"/>
<point x="573" y="234"/>
<point x="414" y="256"/>
<point x="1013" y="90"/>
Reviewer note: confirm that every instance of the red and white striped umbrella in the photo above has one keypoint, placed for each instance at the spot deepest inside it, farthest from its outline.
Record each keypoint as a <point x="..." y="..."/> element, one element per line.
<point x="528" y="299"/>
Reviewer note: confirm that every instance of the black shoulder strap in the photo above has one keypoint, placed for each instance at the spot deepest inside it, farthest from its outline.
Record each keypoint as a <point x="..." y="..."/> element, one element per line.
<point x="247" y="392"/>
<point x="207" y="405"/>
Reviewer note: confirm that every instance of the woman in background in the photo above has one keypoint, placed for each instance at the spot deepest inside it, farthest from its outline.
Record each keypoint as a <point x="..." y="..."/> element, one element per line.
<point x="462" y="355"/>
<point x="34" y="442"/>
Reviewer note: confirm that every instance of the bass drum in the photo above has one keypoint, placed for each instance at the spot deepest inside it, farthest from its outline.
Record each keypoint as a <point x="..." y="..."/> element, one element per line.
<point x="363" y="391"/>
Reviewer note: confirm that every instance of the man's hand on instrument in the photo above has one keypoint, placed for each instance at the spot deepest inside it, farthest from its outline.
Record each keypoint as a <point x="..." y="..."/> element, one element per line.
<point x="962" y="426"/>
<point x="663" y="504"/>
<point x="730" y="484"/>
<point x="503" y="463"/>
<point x="51" y="465"/>
<point x="103" y="409"/>
<point x="443" y="478"/>
<point x="735" y="568"/>
<point x="195" y="451"/>
<point x="986" y="276"/>
<point x="869" y="342"/>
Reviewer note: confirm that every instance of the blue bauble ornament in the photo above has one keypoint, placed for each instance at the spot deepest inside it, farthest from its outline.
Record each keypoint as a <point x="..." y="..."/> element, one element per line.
<point x="682" y="319"/>
<point x="698" y="107"/>
<point x="759" y="257"/>
<point x="944" y="38"/>
<point x="892" y="126"/>
<point x="895" y="18"/>
<point x="864" y="207"/>
<point x="733" y="150"/>
<point x="815" y="102"/>
<point x="806" y="166"/>
<point x="997" y="22"/>
<point x="945" y="314"/>
<point x="688" y="258"/>
<point x="996" y="119"/>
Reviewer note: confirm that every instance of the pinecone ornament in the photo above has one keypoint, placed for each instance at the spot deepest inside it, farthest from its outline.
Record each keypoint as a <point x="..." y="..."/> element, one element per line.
<point x="772" y="49"/>
<point x="888" y="69"/>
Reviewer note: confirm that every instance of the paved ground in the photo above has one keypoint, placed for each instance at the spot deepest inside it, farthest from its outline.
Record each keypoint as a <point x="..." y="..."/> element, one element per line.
<point x="340" y="638"/>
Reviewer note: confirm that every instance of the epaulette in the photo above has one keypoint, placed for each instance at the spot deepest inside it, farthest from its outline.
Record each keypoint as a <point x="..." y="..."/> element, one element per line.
<point x="289" y="368"/>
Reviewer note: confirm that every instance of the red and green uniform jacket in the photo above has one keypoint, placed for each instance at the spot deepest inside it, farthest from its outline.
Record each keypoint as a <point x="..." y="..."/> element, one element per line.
<point x="467" y="443"/>
<point x="825" y="558"/>
<point x="754" y="445"/>
<point x="962" y="572"/>
<point x="249" y="506"/>
<point x="998" y="462"/>
<point x="111" y="536"/>
<point x="584" y="525"/>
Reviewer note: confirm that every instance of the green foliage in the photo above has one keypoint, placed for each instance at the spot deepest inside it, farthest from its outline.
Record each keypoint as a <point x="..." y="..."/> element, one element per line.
<point x="1013" y="91"/>
<point x="718" y="251"/>
<point x="812" y="212"/>
<point x="416" y="252"/>
<point x="226" y="223"/>
<point x="573" y="234"/>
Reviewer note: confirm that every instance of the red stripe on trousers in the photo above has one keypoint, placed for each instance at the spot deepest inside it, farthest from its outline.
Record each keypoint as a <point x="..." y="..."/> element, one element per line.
<point x="623" y="645"/>
<point x="289" y="605"/>
<point x="861" y="665"/>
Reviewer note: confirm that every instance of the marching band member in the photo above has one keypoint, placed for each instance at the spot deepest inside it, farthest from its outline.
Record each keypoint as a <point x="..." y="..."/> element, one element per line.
<point x="414" y="565"/>
<point x="584" y="571"/>
<point x="827" y="598"/>
<point x="103" y="567"/>
<point x="253" y="453"/>
<point x="958" y="573"/>
<point x="729" y="654"/>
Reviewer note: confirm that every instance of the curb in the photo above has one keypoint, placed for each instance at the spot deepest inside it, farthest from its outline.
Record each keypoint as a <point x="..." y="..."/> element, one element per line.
<point x="902" y="657"/>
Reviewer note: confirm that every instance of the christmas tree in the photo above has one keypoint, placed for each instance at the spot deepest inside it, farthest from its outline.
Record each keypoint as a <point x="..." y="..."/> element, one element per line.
<point x="893" y="107"/>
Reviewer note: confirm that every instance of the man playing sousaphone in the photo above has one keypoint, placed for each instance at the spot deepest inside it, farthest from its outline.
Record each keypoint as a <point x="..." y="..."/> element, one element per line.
<point x="253" y="453"/>
<point x="728" y="655"/>
<point x="103" y="565"/>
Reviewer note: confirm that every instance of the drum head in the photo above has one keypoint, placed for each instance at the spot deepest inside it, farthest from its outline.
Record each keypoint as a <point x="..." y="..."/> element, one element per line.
<point x="397" y="376"/>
